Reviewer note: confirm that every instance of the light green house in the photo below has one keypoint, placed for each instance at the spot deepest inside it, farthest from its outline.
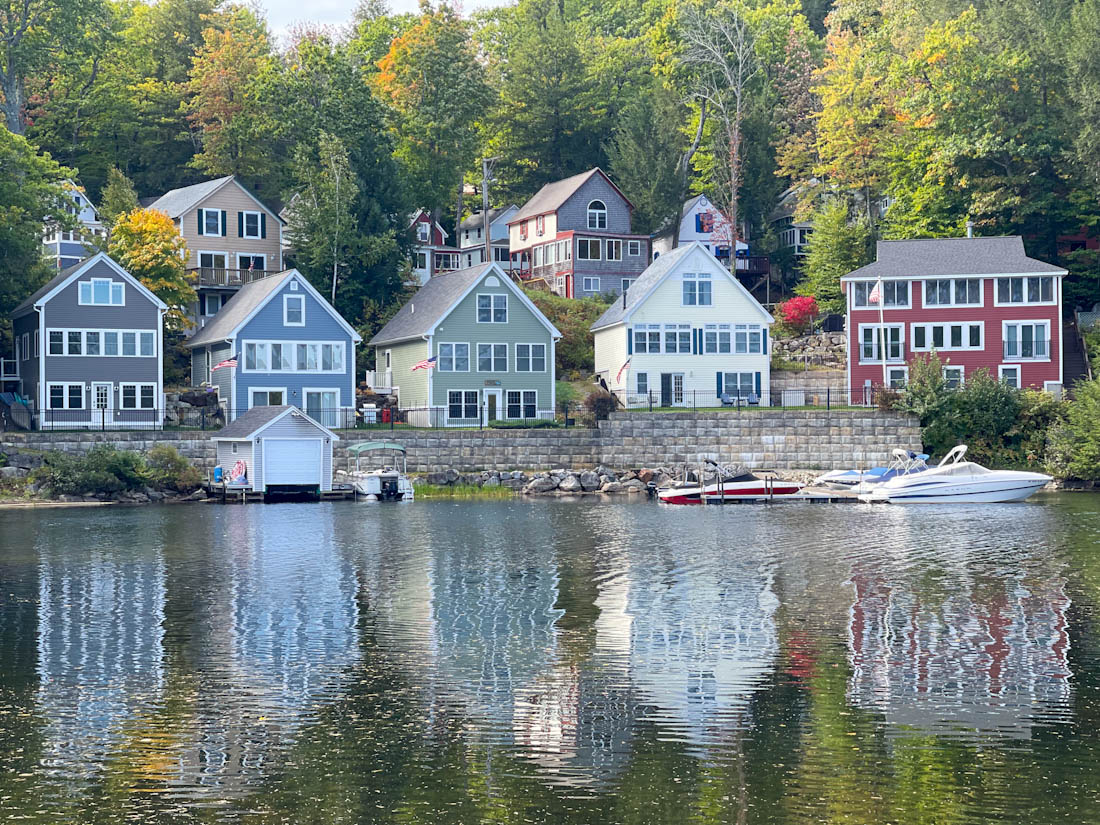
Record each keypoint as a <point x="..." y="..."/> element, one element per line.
<point x="490" y="352"/>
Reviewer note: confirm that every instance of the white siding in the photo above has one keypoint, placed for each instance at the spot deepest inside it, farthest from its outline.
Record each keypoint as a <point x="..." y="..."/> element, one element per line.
<point x="290" y="427"/>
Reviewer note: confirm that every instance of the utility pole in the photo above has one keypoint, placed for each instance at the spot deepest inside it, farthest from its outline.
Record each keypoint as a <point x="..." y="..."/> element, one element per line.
<point x="486" y="173"/>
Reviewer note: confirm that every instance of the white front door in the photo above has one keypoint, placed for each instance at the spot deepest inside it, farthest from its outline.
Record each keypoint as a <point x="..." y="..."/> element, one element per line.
<point x="323" y="406"/>
<point x="102" y="403"/>
<point x="491" y="405"/>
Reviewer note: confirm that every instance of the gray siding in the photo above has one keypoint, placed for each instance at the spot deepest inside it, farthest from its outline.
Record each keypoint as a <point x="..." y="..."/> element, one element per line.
<point x="227" y="458"/>
<point x="573" y="214"/>
<point x="198" y="366"/>
<point x="64" y="309"/>
<point x="28" y="367"/>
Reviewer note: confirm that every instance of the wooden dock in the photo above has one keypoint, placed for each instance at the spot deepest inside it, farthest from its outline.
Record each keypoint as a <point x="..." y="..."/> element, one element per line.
<point x="227" y="494"/>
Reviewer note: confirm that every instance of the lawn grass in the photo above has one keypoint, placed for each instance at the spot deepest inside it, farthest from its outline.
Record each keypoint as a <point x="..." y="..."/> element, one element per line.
<point x="462" y="491"/>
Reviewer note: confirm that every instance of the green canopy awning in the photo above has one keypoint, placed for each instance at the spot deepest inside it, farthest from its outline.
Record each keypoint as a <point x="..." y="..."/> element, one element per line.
<point x="367" y="446"/>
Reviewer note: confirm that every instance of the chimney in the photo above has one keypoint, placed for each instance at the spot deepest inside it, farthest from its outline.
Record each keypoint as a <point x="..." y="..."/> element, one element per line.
<point x="970" y="229"/>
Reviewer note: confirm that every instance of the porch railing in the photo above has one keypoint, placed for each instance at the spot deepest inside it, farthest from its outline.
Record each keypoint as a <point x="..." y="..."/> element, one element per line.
<point x="216" y="276"/>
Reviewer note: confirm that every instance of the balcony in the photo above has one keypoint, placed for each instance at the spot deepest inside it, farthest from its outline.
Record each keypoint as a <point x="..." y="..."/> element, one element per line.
<point x="231" y="278"/>
<point x="381" y="381"/>
<point x="1026" y="350"/>
<point x="753" y="265"/>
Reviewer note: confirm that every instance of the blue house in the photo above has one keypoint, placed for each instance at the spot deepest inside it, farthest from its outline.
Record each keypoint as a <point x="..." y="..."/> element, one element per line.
<point x="290" y="347"/>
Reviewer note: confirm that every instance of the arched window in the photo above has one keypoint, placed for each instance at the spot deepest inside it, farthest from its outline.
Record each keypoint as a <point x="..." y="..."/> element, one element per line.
<point x="597" y="215"/>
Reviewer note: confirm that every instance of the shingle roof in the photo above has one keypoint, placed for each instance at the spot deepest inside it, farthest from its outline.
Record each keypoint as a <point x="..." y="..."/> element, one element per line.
<point x="427" y="306"/>
<point x="474" y="220"/>
<point x="642" y="285"/>
<point x="46" y="287"/>
<point x="251" y="420"/>
<point x="946" y="257"/>
<point x="553" y="195"/>
<point x="179" y="201"/>
<point x="238" y="308"/>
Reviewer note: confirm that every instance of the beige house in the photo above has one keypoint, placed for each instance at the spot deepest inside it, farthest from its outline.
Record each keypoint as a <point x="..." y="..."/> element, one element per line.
<point x="232" y="238"/>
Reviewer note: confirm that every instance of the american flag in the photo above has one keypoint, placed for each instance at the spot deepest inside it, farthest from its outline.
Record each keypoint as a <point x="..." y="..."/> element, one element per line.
<point x="426" y="364"/>
<point x="622" y="369"/>
<point x="876" y="293"/>
<point x="228" y="362"/>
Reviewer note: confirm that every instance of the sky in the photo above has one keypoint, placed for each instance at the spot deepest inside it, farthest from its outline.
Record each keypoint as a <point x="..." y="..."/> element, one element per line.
<point x="281" y="14"/>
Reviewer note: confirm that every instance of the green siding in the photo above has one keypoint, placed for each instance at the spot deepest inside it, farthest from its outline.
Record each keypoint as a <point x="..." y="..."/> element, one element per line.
<point x="524" y="327"/>
<point x="413" y="385"/>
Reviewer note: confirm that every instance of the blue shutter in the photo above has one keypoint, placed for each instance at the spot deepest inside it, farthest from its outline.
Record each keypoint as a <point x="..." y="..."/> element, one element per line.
<point x="629" y="342"/>
<point x="764" y="340"/>
<point x="199" y="213"/>
<point x="719" y="393"/>
<point x="240" y="224"/>
<point x="263" y="224"/>
<point x="757" y="385"/>
<point x="223" y="223"/>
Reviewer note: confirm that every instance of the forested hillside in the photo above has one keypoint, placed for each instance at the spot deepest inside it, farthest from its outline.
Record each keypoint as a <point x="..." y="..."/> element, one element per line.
<point x="950" y="111"/>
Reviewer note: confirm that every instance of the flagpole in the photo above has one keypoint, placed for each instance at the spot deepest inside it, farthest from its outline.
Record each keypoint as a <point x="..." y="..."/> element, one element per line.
<point x="882" y="332"/>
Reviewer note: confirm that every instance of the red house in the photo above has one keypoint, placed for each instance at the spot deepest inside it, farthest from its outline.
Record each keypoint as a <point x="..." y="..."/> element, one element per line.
<point x="976" y="302"/>
<point x="431" y="253"/>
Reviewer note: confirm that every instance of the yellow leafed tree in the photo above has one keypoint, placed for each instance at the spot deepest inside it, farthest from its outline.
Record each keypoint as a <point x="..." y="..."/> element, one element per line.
<point x="146" y="244"/>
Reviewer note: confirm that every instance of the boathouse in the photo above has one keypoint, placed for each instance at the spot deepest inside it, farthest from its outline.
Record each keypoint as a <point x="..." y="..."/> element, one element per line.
<point x="274" y="449"/>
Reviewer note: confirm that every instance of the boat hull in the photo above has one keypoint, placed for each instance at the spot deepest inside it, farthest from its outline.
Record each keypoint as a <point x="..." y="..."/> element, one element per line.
<point x="960" y="491"/>
<point x="734" y="491"/>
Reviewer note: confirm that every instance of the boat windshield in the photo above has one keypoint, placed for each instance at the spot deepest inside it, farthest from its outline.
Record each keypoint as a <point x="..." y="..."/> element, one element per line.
<point x="965" y="468"/>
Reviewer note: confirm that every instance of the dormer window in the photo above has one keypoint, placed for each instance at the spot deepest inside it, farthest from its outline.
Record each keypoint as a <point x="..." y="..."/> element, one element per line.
<point x="102" y="292"/>
<point x="597" y="215"/>
<point x="423" y="231"/>
<point x="294" y="310"/>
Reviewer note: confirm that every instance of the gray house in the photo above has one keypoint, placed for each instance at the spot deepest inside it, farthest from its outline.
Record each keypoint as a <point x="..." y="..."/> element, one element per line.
<point x="89" y="349"/>
<point x="469" y="347"/>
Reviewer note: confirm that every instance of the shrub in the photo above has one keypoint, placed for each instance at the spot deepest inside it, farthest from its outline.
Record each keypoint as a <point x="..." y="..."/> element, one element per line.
<point x="575" y="352"/>
<point x="887" y="398"/>
<point x="798" y="313"/>
<point x="168" y="470"/>
<point x="532" y="424"/>
<point x="104" y="469"/>
<point x="600" y="404"/>
<point x="1084" y="429"/>
<point x="926" y="393"/>
<point x="565" y="393"/>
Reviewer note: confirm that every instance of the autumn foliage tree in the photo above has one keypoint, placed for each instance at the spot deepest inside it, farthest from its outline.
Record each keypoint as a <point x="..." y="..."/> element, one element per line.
<point x="146" y="244"/>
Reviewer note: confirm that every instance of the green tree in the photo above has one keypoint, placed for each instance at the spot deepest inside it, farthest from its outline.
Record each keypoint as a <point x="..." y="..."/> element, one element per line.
<point x="32" y="193"/>
<point x="118" y="198"/>
<point x="146" y="244"/>
<point x="1084" y="428"/>
<point x="837" y="246"/>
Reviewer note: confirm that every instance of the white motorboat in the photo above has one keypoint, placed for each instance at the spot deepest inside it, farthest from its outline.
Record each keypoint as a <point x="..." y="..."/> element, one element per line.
<point x="905" y="462"/>
<point x="386" y="482"/>
<point x="955" y="480"/>
<point x="731" y="484"/>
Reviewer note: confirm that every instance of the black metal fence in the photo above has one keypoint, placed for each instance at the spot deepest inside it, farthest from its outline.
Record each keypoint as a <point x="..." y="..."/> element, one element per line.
<point x="810" y="397"/>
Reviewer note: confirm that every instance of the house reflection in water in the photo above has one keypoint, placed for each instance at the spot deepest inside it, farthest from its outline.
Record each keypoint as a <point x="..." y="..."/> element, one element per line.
<point x="983" y="656"/>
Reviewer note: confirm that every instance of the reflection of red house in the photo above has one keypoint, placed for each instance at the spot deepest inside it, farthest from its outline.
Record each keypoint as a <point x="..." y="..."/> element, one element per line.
<point x="976" y="302"/>
<point x="991" y="657"/>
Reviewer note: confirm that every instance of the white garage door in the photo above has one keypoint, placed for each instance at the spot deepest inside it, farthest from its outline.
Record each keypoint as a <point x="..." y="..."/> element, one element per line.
<point x="292" y="461"/>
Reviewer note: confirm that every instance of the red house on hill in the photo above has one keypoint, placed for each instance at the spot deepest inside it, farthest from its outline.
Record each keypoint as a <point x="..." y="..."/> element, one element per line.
<point x="976" y="302"/>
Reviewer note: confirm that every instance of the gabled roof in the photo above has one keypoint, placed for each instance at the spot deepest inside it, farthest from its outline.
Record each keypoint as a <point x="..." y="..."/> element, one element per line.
<point x="250" y="423"/>
<point x="416" y="218"/>
<point x="475" y="220"/>
<point x="553" y="195"/>
<point x="249" y="300"/>
<point x="62" y="279"/>
<point x="438" y="297"/>
<point x="948" y="257"/>
<point x="654" y="274"/>
<point x="179" y="202"/>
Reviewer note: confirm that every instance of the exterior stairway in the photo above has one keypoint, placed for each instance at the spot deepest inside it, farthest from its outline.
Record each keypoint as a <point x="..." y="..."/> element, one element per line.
<point x="1075" y="365"/>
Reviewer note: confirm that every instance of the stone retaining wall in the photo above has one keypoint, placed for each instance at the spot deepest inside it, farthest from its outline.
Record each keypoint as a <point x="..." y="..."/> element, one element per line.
<point x="780" y="439"/>
<point x="813" y="382"/>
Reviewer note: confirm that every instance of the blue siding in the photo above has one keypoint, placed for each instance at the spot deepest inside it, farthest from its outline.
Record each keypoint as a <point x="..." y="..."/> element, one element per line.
<point x="320" y="325"/>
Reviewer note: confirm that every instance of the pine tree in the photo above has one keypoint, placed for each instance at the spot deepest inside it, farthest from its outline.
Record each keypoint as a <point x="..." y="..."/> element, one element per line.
<point x="838" y="245"/>
<point x="118" y="198"/>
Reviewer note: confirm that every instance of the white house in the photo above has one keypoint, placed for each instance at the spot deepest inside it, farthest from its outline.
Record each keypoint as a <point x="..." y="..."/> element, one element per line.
<point x="471" y="237"/>
<point x="700" y="221"/>
<point x="685" y="334"/>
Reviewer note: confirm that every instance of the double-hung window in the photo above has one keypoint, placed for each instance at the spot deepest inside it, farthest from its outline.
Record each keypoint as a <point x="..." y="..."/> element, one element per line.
<point x="614" y="249"/>
<point x="739" y="384"/>
<point x="588" y="249"/>
<point x="642" y="383"/>
<point x="138" y="396"/>
<point x="1027" y="340"/>
<point x="591" y="284"/>
<point x="647" y="338"/>
<point x="870" y="343"/>
<point x="894" y="294"/>
<point x="55" y="342"/>
<point x="454" y="358"/>
<point x="747" y="339"/>
<point x="294" y="310"/>
<point x="92" y="340"/>
<point x="597" y="215"/>
<point x="530" y="357"/>
<point x="251" y="225"/>
<point x="522" y="404"/>
<point x="678" y="338"/>
<point x="211" y="222"/>
<point x="633" y="248"/>
<point x="1026" y="290"/>
<point x="1009" y="375"/>
<point x="66" y="396"/>
<point x="255" y="356"/>
<point x="282" y="357"/>
<point x="462" y="404"/>
<point x="716" y="339"/>
<point x="492" y="309"/>
<point x="102" y="292"/>
<point x="697" y="289"/>
<point x="492" y="358"/>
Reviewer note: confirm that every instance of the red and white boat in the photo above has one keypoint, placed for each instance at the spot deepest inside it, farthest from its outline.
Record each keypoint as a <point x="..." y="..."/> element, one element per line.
<point x="731" y="485"/>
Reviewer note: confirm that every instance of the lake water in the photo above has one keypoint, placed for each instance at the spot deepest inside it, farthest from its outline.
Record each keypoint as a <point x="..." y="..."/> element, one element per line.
<point x="551" y="662"/>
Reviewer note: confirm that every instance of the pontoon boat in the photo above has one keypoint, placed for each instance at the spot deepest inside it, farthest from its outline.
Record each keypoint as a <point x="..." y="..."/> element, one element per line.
<point x="384" y="483"/>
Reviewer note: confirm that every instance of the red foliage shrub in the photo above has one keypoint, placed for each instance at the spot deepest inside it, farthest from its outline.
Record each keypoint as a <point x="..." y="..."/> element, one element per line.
<point x="797" y="313"/>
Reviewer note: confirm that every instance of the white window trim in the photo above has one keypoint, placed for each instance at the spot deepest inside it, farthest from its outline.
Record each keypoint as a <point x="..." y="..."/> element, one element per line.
<point x="1013" y="366"/>
<point x="954" y="304"/>
<point x="588" y="281"/>
<point x="305" y="406"/>
<point x="885" y="346"/>
<point x="928" y="347"/>
<point x="66" y="384"/>
<point x="608" y="244"/>
<point x="252" y="390"/>
<point x="904" y="368"/>
<point x="1020" y="359"/>
<point x="492" y="307"/>
<point x="492" y="356"/>
<point x="301" y="299"/>
<point x="447" y="408"/>
<point x="221" y="222"/>
<point x="962" y="372"/>
<point x="530" y="357"/>
<point x="339" y="357"/>
<point x="521" y="416"/>
<point x="439" y="358"/>
<point x="242" y="268"/>
<point x="200" y="252"/>
<point x="887" y="307"/>
<point x="244" y="224"/>
<point x="633" y="248"/>
<point x="626" y="284"/>
<point x="36" y="344"/>
<point x="1055" y="285"/>
<point x="137" y="394"/>
<point x="589" y="241"/>
<point x="102" y="344"/>
<point x="110" y="290"/>
<point x="592" y="213"/>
